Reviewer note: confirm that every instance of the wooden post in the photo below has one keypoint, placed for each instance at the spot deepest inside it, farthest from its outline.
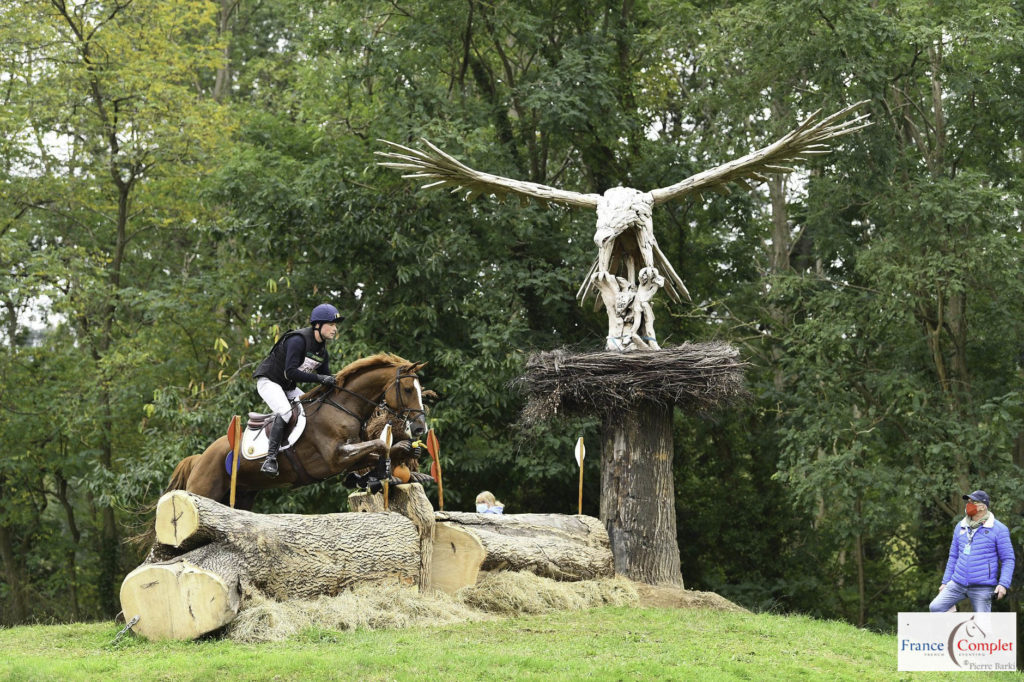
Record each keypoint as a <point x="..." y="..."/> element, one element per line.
<point x="581" y="452"/>
<point x="434" y="448"/>
<point x="235" y="441"/>
<point x="386" y="437"/>
<point x="637" y="494"/>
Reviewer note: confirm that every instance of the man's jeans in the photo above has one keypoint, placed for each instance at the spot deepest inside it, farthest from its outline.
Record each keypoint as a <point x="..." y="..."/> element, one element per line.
<point x="980" y="595"/>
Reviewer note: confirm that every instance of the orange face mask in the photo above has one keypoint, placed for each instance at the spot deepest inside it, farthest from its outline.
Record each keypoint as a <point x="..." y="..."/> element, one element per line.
<point x="971" y="509"/>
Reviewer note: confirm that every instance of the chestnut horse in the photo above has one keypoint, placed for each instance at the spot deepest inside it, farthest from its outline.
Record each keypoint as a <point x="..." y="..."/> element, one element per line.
<point x="331" y="443"/>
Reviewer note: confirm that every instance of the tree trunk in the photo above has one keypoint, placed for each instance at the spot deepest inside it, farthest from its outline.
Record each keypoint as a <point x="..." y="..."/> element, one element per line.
<point x="859" y="548"/>
<point x="637" y="494"/>
<point x="222" y="81"/>
<point x="227" y="553"/>
<point x="71" y="555"/>
<point x="12" y="573"/>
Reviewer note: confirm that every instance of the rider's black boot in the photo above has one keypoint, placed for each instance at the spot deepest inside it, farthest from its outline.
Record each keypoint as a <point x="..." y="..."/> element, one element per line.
<point x="276" y="433"/>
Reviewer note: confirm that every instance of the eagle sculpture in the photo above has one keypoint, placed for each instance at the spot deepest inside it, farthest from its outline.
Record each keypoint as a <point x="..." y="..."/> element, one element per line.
<point x="626" y="245"/>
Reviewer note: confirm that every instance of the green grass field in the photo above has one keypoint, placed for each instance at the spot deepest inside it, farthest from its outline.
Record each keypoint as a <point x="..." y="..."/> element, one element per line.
<point x="608" y="643"/>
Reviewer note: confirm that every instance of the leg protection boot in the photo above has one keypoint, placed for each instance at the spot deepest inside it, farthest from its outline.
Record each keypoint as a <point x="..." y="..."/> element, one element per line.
<point x="276" y="434"/>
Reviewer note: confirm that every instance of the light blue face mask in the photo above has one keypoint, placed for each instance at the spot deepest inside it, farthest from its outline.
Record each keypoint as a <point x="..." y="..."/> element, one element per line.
<point x="481" y="508"/>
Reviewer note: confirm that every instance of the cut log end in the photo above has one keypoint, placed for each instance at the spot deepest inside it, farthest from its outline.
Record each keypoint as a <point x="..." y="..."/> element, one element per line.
<point x="177" y="518"/>
<point x="177" y="601"/>
<point x="457" y="557"/>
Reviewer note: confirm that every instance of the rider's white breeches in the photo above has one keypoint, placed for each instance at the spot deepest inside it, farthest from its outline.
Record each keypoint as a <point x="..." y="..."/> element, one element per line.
<point x="275" y="397"/>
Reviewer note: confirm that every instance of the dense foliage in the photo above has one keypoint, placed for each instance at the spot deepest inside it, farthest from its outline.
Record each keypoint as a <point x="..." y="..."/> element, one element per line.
<point x="181" y="182"/>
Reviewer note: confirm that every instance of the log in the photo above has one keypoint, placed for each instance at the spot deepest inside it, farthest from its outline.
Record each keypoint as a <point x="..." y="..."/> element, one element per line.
<point x="208" y="557"/>
<point x="555" y="546"/>
<point x="224" y="554"/>
<point x="458" y="555"/>
<point x="463" y="544"/>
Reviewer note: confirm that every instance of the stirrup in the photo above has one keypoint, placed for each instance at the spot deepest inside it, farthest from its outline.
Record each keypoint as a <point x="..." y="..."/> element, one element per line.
<point x="270" y="466"/>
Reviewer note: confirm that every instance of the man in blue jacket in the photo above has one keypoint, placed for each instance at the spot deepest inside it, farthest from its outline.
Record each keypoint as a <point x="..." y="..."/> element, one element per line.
<point x="980" y="559"/>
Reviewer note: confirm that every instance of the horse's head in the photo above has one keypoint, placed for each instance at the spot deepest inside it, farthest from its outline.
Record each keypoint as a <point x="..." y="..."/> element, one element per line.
<point x="384" y="381"/>
<point x="404" y="398"/>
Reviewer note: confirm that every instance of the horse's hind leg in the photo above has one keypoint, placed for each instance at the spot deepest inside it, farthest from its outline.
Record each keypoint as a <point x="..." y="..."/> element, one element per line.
<point x="244" y="499"/>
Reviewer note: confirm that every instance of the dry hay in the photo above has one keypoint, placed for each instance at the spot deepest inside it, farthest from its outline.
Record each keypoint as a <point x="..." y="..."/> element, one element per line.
<point x="511" y="594"/>
<point x="370" y="607"/>
<point x="382" y="607"/>
<point x="699" y="377"/>
<point x="671" y="597"/>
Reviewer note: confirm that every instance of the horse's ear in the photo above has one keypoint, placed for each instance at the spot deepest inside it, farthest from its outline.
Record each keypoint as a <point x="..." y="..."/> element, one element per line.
<point x="417" y="366"/>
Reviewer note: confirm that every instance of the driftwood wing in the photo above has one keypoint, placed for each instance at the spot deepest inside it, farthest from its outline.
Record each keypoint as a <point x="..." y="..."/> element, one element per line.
<point x="431" y="163"/>
<point x="807" y="139"/>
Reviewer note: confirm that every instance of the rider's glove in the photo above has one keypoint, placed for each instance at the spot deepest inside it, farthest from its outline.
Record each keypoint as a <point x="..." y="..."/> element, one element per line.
<point x="327" y="379"/>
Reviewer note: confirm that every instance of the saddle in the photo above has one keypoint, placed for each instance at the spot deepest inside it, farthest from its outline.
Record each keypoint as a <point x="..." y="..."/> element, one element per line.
<point x="256" y="436"/>
<point x="261" y="421"/>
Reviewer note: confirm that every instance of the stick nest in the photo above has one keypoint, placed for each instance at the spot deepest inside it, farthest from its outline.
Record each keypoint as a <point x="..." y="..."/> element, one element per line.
<point x="698" y="377"/>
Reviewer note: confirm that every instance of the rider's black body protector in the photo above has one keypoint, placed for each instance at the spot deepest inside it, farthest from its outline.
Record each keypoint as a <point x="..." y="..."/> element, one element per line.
<point x="297" y="356"/>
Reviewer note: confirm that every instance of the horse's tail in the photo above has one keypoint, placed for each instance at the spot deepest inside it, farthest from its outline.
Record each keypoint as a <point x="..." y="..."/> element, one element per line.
<point x="179" y="477"/>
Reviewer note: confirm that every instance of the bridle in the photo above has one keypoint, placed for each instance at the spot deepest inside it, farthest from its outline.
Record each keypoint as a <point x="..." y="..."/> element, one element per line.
<point x="400" y="413"/>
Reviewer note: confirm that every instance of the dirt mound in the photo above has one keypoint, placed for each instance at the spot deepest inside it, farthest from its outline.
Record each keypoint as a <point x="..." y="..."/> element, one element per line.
<point x="670" y="597"/>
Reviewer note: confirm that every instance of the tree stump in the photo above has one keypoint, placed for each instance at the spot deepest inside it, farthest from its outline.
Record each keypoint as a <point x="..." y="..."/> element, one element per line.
<point x="224" y="554"/>
<point x="410" y="501"/>
<point x="635" y="393"/>
<point x="637" y="495"/>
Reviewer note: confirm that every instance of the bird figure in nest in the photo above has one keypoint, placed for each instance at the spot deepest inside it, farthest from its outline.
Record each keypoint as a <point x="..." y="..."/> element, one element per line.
<point x="624" y="233"/>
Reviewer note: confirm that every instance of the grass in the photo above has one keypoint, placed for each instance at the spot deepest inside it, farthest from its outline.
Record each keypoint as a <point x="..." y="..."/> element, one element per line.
<point x="608" y="643"/>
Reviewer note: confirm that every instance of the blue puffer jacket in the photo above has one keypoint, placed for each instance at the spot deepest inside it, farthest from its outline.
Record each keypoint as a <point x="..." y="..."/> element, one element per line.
<point x="990" y="560"/>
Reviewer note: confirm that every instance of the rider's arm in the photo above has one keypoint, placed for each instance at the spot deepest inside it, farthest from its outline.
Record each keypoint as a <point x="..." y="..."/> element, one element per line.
<point x="294" y="355"/>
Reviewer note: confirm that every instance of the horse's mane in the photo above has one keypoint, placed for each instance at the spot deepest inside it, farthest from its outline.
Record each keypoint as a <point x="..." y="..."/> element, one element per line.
<point x="362" y="365"/>
<point x="368" y="363"/>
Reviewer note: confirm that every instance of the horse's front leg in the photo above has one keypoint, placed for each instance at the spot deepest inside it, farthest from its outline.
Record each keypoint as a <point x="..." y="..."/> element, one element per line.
<point x="352" y="456"/>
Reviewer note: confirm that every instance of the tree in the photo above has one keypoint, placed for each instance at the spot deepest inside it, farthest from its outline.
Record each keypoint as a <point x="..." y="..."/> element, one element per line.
<point x="884" y="318"/>
<point x="111" y="138"/>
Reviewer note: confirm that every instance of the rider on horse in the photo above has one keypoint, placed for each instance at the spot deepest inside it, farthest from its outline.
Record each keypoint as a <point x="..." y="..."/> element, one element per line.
<point x="299" y="355"/>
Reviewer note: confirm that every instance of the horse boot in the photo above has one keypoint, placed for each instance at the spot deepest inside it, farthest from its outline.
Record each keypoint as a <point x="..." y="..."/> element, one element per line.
<point x="276" y="434"/>
<point x="354" y="480"/>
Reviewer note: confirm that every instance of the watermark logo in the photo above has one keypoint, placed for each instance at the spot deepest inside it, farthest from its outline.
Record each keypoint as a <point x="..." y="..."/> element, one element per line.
<point x="957" y="641"/>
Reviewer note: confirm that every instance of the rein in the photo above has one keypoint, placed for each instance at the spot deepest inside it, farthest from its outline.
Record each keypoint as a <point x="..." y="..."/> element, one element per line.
<point x="402" y="412"/>
<point x="327" y="398"/>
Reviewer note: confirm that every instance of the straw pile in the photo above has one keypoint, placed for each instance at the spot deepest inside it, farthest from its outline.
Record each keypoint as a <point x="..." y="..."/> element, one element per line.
<point x="383" y="607"/>
<point x="364" y="607"/>
<point x="698" y="377"/>
<point x="513" y="594"/>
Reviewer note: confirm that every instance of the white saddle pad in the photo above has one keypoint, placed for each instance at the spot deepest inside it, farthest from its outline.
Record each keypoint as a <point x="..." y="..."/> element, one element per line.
<point x="255" y="442"/>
